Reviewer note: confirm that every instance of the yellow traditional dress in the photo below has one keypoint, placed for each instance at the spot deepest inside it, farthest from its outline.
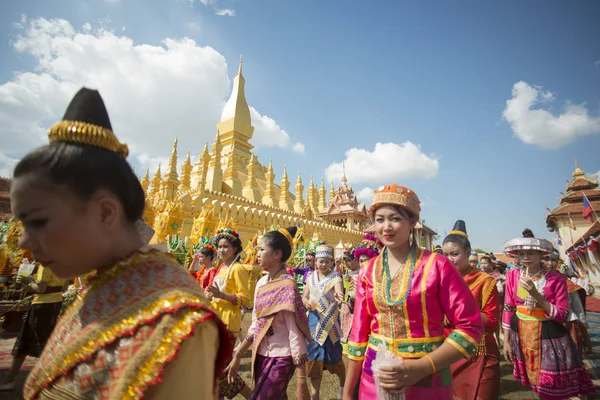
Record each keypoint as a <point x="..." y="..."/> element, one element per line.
<point x="140" y="329"/>
<point x="232" y="280"/>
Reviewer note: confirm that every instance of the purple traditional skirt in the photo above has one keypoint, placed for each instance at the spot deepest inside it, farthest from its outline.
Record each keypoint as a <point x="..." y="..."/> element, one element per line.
<point x="272" y="375"/>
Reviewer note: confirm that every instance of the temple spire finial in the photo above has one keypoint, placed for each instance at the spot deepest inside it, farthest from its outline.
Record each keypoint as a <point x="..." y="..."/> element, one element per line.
<point x="578" y="171"/>
<point x="240" y="67"/>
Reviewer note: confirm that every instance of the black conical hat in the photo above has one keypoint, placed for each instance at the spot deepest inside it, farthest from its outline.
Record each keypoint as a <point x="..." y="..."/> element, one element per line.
<point x="87" y="106"/>
<point x="86" y="122"/>
<point x="460" y="226"/>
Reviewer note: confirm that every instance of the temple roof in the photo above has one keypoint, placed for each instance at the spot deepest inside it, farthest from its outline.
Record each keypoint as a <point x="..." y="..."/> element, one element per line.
<point x="572" y="201"/>
<point x="5" y="211"/>
<point x="592" y="231"/>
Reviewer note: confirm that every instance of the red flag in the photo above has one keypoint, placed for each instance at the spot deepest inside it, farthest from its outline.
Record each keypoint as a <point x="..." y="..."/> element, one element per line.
<point x="587" y="209"/>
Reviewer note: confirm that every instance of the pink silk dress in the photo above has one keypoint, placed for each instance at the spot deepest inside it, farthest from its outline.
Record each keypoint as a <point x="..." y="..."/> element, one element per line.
<point x="415" y="327"/>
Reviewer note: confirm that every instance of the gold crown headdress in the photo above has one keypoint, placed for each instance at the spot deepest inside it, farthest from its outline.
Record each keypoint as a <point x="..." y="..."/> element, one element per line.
<point x="86" y="122"/>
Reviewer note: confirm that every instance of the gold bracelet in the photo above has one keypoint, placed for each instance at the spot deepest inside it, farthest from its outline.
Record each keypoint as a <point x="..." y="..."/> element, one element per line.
<point x="432" y="364"/>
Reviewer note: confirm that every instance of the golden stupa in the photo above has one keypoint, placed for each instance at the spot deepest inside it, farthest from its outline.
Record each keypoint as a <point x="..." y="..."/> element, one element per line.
<point x="232" y="186"/>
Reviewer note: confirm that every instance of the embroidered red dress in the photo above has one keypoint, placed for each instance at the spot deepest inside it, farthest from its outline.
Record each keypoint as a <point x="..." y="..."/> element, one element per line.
<point x="140" y="329"/>
<point x="478" y="377"/>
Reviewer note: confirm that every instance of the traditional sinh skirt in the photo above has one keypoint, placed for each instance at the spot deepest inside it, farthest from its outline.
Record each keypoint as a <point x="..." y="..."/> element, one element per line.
<point x="39" y="322"/>
<point x="327" y="356"/>
<point x="546" y="358"/>
<point x="272" y="377"/>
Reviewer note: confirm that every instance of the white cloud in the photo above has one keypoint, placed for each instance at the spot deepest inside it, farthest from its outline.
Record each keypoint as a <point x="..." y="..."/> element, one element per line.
<point x="539" y="126"/>
<point x="597" y="63"/>
<point x="595" y="175"/>
<point x="7" y="165"/>
<point x="387" y="163"/>
<point x="153" y="93"/>
<point x="298" y="147"/>
<point x="193" y="26"/>
<point x="225" y="12"/>
<point x="267" y="132"/>
<point x="365" y="195"/>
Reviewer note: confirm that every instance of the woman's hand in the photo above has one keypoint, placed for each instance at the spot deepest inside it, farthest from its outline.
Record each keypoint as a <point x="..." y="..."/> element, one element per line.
<point x="405" y="375"/>
<point x="233" y="367"/>
<point x="215" y="292"/>
<point x="507" y="351"/>
<point x="339" y="298"/>
<point x="23" y="280"/>
<point x="528" y="285"/>
<point x="306" y="303"/>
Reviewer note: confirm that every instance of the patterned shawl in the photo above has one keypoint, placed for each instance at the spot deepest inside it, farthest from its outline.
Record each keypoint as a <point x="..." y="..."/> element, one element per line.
<point x="328" y="325"/>
<point x="281" y="294"/>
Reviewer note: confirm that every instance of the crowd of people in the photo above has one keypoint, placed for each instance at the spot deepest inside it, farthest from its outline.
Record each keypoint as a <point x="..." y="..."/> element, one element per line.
<point x="144" y="326"/>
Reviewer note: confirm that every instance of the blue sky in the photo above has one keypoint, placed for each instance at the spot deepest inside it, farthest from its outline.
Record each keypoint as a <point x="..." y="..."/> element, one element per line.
<point x="339" y="75"/>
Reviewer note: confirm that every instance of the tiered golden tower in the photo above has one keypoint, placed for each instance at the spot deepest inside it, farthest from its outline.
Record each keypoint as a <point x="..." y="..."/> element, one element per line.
<point x="231" y="181"/>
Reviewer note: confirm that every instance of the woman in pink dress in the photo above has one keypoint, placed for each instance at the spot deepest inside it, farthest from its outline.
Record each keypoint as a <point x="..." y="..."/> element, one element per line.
<point x="536" y="304"/>
<point x="402" y="298"/>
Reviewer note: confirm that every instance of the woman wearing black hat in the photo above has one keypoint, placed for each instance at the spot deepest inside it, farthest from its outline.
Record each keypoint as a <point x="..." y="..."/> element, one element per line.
<point x="142" y="327"/>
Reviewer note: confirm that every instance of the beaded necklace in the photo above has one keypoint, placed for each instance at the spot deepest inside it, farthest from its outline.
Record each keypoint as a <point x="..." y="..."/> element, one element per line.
<point x="388" y="284"/>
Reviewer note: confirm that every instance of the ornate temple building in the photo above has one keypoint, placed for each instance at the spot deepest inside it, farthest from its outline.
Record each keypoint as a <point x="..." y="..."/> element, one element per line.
<point x="575" y="231"/>
<point x="229" y="182"/>
<point x="5" y="211"/>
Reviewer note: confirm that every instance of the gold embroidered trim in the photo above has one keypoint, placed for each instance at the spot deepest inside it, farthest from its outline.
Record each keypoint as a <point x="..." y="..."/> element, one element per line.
<point x="168" y="348"/>
<point x="424" y="293"/>
<point x="86" y="133"/>
<point x="148" y="313"/>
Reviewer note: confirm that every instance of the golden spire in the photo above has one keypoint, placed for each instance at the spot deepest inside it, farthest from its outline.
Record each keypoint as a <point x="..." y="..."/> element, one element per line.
<point x="146" y="180"/>
<point x="331" y="192"/>
<point x="299" y="201"/>
<point x="322" y="194"/>
<point x="578" y="171"/>
<point x="250" y="190"/>
<point x="171" y="178"/>
<point x="214" y="175"/>
<point x="310" y="194"/>
<point x="283" y="194"/>
<point x="186" y="175"/>
<point x="156" y="181"/>
<point x="202" y="168"/>
<point x="267" y="198"/>
<point x="215" y="160"/>
<point x="236" y="107"/>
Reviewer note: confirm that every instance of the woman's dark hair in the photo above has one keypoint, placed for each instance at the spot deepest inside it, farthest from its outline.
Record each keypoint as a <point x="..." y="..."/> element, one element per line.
<point x="460" y="239"/>
<point x="85" y="169"/>
<point x="234" y="240"/>
<point x="527" y="233"/>
<point x="277" y="241"/>
<point x="208" y="252"/>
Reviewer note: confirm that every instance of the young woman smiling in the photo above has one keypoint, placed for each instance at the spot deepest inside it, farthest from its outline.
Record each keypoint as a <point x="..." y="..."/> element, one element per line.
<point x="477" y="377"/>
<point x="229" y="291"/>
<point x="402" y="298"/>
<point x="279" y="327"/>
